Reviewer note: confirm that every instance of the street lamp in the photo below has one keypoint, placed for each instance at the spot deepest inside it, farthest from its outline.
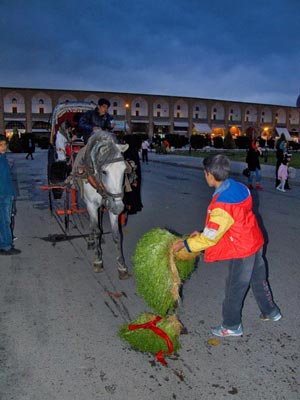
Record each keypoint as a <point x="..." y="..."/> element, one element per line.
<point x="125" y="120"/>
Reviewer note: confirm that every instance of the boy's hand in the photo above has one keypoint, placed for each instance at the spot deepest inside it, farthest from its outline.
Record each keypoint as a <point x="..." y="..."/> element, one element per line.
<point x="195" y="233"/>
<point x="177" y="246"/>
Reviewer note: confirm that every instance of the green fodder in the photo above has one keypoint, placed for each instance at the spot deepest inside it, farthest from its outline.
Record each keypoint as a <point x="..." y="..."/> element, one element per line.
<point x="146" y="340"/>
<point x="157" y="280"/>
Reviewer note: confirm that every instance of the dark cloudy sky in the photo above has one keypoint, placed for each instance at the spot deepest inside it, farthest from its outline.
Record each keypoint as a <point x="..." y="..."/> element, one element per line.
<point x="223" y="49"/>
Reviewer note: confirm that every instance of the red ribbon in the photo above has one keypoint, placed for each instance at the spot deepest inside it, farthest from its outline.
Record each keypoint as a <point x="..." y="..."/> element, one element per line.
<point x="152" y="325"/>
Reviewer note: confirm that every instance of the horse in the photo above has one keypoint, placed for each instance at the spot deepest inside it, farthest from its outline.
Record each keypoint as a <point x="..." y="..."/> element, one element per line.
<point x="99" y="171"/>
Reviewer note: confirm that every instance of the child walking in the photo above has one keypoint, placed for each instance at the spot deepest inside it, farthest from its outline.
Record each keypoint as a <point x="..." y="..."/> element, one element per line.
<point x="283" y="174"/>
<point x="232" y="233"/>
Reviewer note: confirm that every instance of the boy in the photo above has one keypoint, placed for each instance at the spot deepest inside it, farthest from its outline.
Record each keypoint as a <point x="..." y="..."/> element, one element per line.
<point x="7" y="194"/>
<point x="232" y="233"/>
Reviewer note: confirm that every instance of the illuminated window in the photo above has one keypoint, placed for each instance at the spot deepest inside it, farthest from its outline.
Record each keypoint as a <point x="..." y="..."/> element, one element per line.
<point x="178" y="114"/>
<point x="41" y="110"/>
<point x="137" y="113"/>
<point x="158" y="113"/>
<point x="15" y="110"/>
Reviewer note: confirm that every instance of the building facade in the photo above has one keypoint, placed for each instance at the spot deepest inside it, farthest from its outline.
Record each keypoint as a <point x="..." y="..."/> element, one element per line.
<point x="29" y="110"/>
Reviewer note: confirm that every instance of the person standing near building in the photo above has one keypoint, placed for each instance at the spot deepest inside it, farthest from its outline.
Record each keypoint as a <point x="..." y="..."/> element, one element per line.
<point x="30" y="146"/>
<point x="253" y="162"/>
<point x="281" y="149"/>
<point x="99" y="118"/>
<point x="7" y="195"/>
<point x="145" y="149"/>
<point x="232" y="233"/>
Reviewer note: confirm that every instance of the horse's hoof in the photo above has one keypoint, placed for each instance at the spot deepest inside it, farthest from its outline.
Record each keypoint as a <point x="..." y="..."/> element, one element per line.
<point x="91" y="245"/>
<point x="98" y="268"/>
<point x="124" y="275"/>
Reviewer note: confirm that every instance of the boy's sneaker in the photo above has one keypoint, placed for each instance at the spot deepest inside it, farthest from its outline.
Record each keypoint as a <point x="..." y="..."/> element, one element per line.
<point x="223" y="332"/>
<point x="275" y="317"/>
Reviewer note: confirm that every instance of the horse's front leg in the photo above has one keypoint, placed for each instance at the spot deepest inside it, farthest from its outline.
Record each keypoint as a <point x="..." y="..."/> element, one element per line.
<point x="118" y="239"/>
<point x="95" y="236"/>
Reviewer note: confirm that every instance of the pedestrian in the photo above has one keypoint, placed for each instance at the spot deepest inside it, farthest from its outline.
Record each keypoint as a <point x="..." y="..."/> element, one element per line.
<point x="99" y="118"/>
<point x="30" y="147"/>
<point x="145" y="149"/>
<point x="281" y="150"/>
<point x="253" y="162"/>
<point x="232" y="233"/>
<point x="283" y="174"/>
<point x="7" y="195"/>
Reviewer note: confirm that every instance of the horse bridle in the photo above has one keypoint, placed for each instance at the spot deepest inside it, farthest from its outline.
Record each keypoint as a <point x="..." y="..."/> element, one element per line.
<point x="95" y="181"/>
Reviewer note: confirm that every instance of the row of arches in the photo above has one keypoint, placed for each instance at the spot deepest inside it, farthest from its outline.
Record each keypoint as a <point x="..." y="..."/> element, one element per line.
<point x="42" y="103"/>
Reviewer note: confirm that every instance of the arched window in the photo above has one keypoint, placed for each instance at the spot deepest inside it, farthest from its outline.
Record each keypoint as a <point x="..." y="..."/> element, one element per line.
<point x="41" y="101"/>
<point x="14" y="101"/>
<point x="137" y="105"/>
<point x="115" y="104"/>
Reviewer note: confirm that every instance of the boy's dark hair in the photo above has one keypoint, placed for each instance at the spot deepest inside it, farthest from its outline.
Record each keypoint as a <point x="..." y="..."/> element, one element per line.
<point x="103" y="101"/>
<point x="217" y="165"/>
<point x="3" y="138"/>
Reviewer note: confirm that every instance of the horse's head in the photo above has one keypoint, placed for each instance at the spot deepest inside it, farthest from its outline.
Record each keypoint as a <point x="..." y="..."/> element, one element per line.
<point x="110" y="168"/>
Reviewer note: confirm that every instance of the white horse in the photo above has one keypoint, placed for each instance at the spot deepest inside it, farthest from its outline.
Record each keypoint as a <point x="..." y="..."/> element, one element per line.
<point x="102" y="188"/>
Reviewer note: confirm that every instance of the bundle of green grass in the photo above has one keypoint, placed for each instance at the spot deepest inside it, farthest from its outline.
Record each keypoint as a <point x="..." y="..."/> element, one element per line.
<point x="145" y="339"/>
<point x="158" y="273"/>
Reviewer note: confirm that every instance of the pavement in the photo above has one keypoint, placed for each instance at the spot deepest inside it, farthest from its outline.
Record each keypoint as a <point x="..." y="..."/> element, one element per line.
<point x="59" y="321"/>
<point x="267" y="171"/>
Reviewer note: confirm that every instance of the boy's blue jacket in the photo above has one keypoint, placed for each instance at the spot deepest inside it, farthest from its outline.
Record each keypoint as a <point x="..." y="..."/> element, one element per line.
<point x="231" y="228"/>
<point x="6" y="182"/>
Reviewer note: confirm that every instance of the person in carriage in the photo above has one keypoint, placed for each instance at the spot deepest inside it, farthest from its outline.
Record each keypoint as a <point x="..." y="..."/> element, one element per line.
<point x="95" y="119"/>
<point x="61" y="140"/>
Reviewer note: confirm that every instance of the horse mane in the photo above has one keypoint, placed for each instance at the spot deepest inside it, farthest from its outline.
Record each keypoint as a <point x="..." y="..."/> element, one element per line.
<point x="101" y="148"/>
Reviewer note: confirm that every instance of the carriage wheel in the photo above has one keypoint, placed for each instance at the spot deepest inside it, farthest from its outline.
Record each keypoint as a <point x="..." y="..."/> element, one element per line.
<point x="50" y="202"/>
<point x="66" y="210"/>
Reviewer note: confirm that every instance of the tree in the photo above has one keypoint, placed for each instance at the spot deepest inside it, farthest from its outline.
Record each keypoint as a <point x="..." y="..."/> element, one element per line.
<point x="229" y="143"/>
<point x="15" y="143"/>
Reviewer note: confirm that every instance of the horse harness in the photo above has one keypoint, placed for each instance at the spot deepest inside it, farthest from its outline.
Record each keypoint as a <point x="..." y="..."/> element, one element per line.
<point x="86" y="171"/>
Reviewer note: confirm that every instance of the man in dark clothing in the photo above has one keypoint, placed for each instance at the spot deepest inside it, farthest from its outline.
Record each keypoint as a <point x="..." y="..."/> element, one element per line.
<point x="95" y="119"/>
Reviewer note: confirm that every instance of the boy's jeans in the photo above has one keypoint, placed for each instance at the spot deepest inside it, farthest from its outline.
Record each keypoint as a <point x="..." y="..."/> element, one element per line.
<point x="244" y="273"/>
<point x="6" y="239"/>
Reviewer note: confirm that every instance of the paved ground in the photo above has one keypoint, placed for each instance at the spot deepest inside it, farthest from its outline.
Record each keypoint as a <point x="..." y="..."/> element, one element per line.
<point x="59" y="320"/>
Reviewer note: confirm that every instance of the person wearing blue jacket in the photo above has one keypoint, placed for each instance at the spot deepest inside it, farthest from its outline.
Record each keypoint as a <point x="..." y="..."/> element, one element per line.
<point x="7" y="195"/>
<point x="96" y="119"/>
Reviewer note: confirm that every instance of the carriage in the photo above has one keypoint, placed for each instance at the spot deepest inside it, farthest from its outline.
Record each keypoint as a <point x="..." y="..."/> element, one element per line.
<point x="99" y="172"/>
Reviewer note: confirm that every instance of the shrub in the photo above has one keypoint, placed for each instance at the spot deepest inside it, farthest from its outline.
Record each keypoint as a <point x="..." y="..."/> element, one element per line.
<point x="15" y="144"/>
<point x="218" y="142"/>
<point x="197" y="141"/>
<point x="242" y="142"/>
<point x="229" y="143"/>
